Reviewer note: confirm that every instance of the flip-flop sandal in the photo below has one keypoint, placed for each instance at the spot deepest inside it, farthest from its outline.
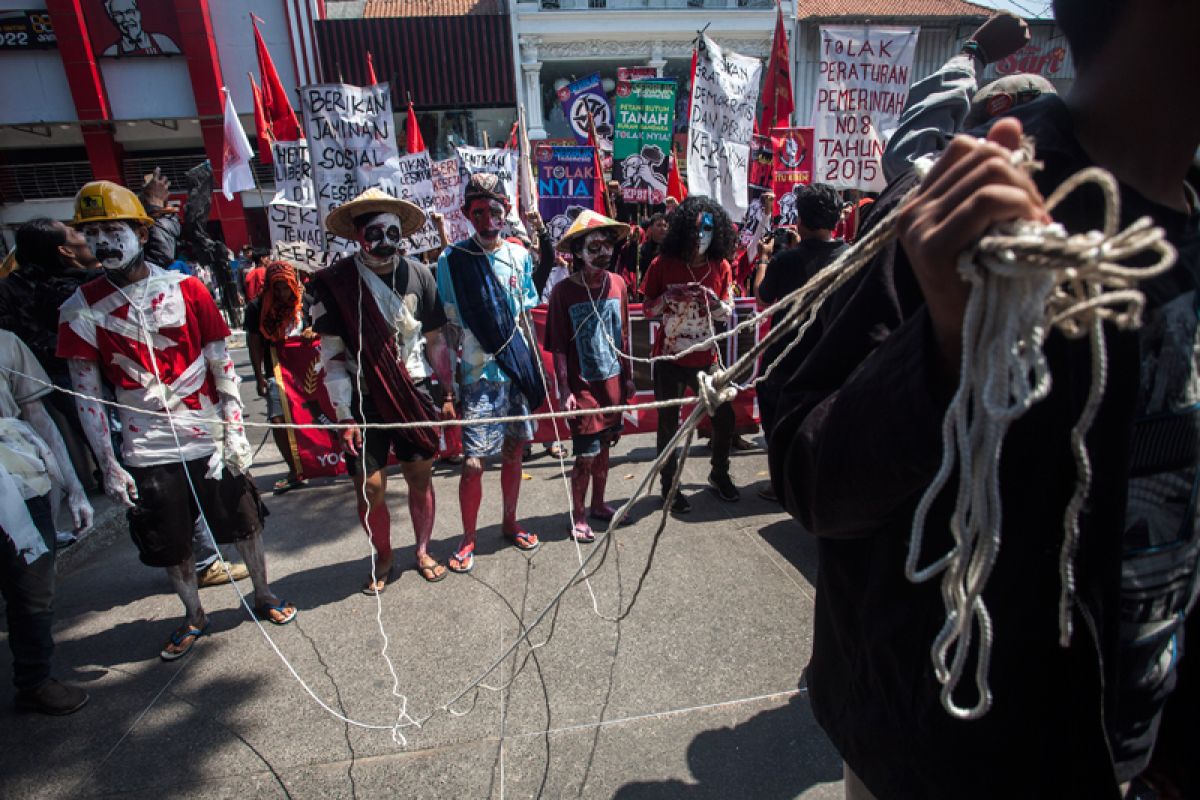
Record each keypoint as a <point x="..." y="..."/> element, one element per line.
<point x="466" y="560"/>
<point x="524" y="540"/>
<point x="431" y="567"/>
<point x="626" y="521"/>
<point x="178" y="638"/>
<point x="264" y="612"/>
<point x="383" y="580"/>
<point x="284" y="485"/>
<point x="582" y="533"/>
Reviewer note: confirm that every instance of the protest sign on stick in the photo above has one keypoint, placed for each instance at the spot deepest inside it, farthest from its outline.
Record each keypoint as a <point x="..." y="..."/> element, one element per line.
<point x="566" y="179"/>
<point x="642" y="143"/>
<point x="293" y="174"/>
<point x="500" y="161"/>
<point x="584" y="99"/>
<point x="862" y="86"/>
<point x="793" y="166"/>
<point x="724" y="102"/>
<point x="448" y="195"/>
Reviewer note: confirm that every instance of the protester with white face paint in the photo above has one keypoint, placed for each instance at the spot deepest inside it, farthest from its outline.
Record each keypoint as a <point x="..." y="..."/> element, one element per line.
<point x="380" y="322"/>
<point x="690" y="284"/>
<point x="157" y="337"/>
<point x="587" y="330"/>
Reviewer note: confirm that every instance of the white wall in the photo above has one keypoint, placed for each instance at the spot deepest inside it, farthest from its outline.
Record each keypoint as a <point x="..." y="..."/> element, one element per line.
<point x="148" y="88"/>
<point x="235" y="46"/>
<point x="33" y="85"/>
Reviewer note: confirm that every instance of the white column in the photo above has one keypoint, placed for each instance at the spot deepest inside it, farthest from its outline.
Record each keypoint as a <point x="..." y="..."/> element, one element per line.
<point x="656" y="57"/>
<point x="531" y="70"/>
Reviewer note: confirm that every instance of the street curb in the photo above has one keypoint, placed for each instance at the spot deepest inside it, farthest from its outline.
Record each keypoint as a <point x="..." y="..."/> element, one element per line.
<point x="108" y="524"/>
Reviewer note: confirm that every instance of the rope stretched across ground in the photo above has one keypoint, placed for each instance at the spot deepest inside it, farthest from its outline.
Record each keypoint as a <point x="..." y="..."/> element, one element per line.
<point x="1024" y="280"/>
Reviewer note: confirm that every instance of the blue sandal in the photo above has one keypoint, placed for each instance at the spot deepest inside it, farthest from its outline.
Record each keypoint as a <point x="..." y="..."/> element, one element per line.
<point x="465" y="559"/>
<point x="189" y="634"/>
<point x="264" y="612"/>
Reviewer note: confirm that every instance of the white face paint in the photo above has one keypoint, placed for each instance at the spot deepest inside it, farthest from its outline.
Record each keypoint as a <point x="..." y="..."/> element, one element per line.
<point x="115" y="244"/>
<point x="597" y="250"/>
<point x="705" y="222"/>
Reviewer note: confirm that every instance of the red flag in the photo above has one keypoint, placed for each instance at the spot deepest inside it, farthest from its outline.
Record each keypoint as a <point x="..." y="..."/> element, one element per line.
<point x="413" y="141"/>
<point x="777" y="89"/>
<point x="675" y="185"/>
<point x="513" y="143"/>
<point x="371" y="79"/>
<point x="284" y="125"/>
<point x="261" y="127"/>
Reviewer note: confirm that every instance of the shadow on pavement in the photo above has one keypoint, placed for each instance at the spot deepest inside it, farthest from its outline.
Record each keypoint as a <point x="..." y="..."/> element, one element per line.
<point x="775" y="754"/>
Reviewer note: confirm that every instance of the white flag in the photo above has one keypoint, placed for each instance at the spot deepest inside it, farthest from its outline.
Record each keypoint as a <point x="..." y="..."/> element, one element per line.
<point x="235" y="170"/>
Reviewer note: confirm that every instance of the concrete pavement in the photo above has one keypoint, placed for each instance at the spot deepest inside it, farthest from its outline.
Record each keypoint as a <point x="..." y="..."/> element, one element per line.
<point x="696" y="693"/>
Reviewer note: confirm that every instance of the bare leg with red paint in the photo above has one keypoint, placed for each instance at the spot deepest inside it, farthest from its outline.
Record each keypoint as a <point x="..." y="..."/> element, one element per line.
<point x="510" y="488"/>
<point x="377" y="522"/>
<point x="581" y="476"/>
<point x="599" y="481"/>
<point x="422" y="507"/>
<point x="470" y="493"/>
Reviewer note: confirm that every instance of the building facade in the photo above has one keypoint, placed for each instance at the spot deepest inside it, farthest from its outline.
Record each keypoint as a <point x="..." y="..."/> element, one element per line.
<point x="114" y="88"/>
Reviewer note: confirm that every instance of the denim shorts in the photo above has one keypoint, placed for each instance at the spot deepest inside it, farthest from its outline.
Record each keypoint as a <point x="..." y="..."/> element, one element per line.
<point x="590" y="444"/>
<point x="274" y="403"/>
<point x="486" y="399"/>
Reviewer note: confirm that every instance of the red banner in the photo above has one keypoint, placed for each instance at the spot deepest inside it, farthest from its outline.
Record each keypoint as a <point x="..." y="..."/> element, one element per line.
<point x="298" y="371"/>
<point x="794" y="154"/>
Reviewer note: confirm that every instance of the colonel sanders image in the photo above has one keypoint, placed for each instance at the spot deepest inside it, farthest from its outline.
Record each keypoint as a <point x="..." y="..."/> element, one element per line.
<point x="126" y="17"/>
<point x="638" y="174"/>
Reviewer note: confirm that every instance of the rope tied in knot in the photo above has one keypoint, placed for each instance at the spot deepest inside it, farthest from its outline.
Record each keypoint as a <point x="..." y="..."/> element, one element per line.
<point x="1025" y="279"/>
<point x="715" y="390"/>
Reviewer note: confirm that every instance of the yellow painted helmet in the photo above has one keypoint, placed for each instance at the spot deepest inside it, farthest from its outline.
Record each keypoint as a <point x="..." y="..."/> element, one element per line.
<point x="104" y="200"/>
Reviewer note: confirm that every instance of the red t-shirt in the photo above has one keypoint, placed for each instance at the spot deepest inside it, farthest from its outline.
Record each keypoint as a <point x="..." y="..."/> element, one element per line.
<point x="585" y="327"/>
<point x="686" y="316"/>
<point x="96" y="324"/>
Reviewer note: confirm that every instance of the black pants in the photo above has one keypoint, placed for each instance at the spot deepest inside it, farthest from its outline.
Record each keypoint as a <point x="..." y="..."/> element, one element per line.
<point x="671" y="381"/>
<point x="28" y="591"/>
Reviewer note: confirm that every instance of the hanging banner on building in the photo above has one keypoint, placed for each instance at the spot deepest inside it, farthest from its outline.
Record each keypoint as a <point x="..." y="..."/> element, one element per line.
<point x="500" y="161"/>
<point x="862" y="86"/>
<point x="293" y="174"/>
<point x="793" y="165"/>
<point x="566" y="178"/>
<point x="121" y="28"/>
<point x="447" y="197"/>
<point x="724" y="102"/>
<point x="586" y="97"/>
<point x="642" y="142"/>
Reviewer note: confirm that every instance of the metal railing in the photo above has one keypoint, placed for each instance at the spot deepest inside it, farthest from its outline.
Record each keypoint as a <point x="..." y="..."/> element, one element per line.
<point x="46" y="181"/>
<point x="175" y="169"/>
<point x="629" y="5"/>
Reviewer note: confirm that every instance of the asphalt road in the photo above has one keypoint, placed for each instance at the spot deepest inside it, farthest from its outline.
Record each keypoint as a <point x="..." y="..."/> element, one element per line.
<point x="696" y="693"/>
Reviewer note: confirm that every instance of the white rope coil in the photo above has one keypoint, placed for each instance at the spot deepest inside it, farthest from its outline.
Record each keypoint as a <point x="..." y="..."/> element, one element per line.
<point x="1025" y="279"/>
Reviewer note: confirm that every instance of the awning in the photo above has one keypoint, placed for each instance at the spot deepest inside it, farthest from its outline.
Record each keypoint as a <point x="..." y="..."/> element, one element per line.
<point x="445" y="62"/>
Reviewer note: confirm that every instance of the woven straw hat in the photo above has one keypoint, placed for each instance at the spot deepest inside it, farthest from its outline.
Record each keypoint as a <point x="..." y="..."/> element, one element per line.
<point x="340" y="221"/>
<point x="589" y="221"/>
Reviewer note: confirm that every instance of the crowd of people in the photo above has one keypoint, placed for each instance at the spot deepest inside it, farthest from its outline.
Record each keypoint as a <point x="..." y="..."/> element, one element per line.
<point x="852" y="413"/>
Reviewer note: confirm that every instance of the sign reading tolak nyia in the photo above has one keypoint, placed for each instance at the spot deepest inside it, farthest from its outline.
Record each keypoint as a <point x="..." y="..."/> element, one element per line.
<point x="862" y="86"/>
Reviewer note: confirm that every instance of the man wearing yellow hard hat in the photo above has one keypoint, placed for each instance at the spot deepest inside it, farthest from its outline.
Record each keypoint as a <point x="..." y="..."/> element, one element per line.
<point x="157" y="338"/>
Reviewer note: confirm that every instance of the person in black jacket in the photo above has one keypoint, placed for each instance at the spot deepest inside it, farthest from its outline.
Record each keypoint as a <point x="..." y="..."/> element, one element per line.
<point x="860" y="442"/>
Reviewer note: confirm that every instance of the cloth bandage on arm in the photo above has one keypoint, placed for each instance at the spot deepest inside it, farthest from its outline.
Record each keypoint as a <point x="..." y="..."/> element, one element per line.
<point x="85" y="377"/>
<point x="337" y="376"/>
<point x="232" y="447"/>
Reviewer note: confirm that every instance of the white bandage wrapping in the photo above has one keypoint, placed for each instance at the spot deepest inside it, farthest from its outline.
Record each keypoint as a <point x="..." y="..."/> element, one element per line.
<point x="337" y="378"/>
<point x="232" y="447"/>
